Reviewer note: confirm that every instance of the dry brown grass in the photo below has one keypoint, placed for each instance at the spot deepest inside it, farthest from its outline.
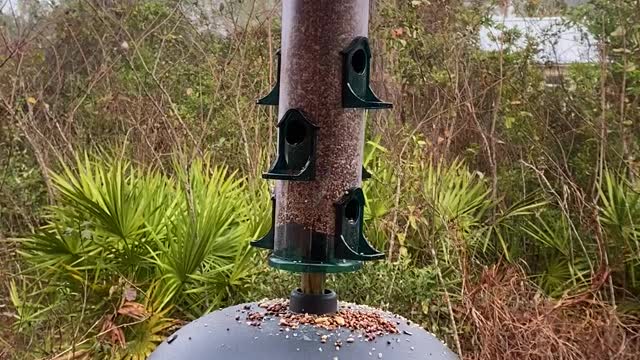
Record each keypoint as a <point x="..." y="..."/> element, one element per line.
<point x="510" y="319"/>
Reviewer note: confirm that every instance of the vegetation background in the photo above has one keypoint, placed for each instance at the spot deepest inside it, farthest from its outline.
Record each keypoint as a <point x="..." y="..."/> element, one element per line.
<point x="131" y="150"/>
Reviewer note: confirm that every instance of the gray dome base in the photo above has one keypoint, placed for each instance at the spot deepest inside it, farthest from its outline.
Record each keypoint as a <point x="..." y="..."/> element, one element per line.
<point x="228" y="335"/>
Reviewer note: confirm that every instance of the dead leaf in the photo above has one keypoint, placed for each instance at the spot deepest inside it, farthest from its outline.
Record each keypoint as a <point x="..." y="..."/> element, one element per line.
<point x="31" y="100"/>
<point x="397" y="32"/>
<point x="112" y="332"/>
<point x="133" y="310"/>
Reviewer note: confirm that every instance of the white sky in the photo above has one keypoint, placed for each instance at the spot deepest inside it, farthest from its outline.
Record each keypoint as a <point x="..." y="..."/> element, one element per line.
<point x="5" y="6"/>
<point x="558" y="41"/>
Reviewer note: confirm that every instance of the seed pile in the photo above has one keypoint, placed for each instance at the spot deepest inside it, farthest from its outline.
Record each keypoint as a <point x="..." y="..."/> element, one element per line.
<point x="370" y="323"/>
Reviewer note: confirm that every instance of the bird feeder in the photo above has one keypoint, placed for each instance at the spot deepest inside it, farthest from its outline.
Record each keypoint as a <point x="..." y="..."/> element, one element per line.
<point x="324" y="74"/>
<point x="322" y="90"/>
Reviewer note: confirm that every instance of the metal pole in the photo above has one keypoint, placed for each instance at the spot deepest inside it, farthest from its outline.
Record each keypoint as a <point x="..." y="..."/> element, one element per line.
<point x="313" y="283"/>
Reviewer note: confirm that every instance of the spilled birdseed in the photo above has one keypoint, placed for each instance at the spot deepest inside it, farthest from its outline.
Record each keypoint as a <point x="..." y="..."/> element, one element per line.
<point x="369" y="323"/>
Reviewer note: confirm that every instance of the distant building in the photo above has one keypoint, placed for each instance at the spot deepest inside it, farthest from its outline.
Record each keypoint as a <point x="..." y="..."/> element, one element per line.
<point x="559" y="42"/>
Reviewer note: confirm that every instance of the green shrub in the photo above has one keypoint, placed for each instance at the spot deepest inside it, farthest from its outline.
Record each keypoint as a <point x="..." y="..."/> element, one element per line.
<point x="180" y="244"/>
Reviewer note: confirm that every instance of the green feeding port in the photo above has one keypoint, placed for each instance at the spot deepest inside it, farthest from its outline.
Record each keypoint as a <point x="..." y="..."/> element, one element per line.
<point x="366" y="175"/>
<point x="352" y="243"/>
<point x="296" y="149"/>
<point x="273" y="97"/>
<point x="356" y="71"/>
<point x="296" y="248"/>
